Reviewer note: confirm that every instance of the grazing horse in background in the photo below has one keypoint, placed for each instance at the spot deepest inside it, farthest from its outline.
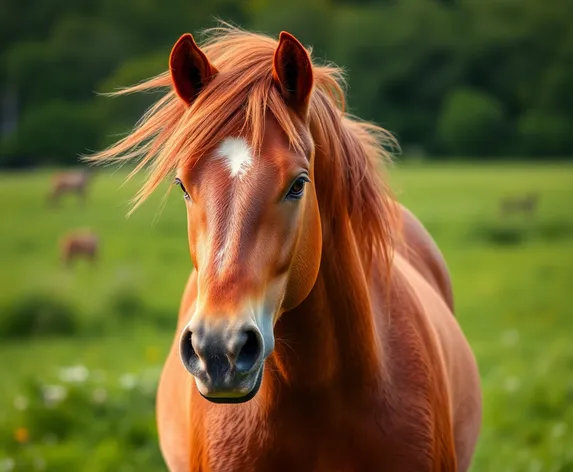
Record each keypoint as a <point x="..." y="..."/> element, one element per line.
<point x="75" y="182"/>
<point x="81" y="243"/>
<point x="526" y="204"/>
<point x="316" y="331"/>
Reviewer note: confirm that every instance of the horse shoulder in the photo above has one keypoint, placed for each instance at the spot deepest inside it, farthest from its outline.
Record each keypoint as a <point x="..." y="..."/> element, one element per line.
<point x="455" y="389"/>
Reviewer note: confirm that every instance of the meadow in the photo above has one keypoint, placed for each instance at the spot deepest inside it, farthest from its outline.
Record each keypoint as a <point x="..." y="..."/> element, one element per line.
<point x="81" y="347"/>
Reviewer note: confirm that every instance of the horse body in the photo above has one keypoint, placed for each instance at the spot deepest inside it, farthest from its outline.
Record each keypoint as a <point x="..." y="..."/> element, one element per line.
<point x="79" y="244"/>
<point x="418" y="409"/>
<point x="74" y="182"/>
<point x="318" y="322"/>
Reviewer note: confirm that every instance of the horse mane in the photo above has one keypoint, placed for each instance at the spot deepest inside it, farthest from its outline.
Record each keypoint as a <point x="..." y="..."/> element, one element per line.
<point x="349" y="152"/>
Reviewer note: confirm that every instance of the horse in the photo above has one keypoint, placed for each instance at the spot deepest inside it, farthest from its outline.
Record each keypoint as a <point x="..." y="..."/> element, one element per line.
<point x="316" y="329"/>
<point x="526" y="204"/>
<point x="74" y="182"/>
<point x="80" y="243"/>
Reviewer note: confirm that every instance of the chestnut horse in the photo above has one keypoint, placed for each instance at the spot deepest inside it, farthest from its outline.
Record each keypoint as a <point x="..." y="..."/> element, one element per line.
<point x="76" y="244"/>
<point x="526" y="204"/>
<point x="316" y="331"/>
<point x="75" y="182"/>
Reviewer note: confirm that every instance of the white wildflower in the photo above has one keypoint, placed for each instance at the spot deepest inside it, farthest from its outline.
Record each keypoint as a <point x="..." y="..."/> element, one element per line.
<point x="535" y="466"/>
<point x="512" y="384"/>
<point x="99" y="395"/>
<point x="74" y="374"/>
<point x="20" y="403"/>
<point x="7" y="464"/>
<point x="559" y="429"/>
<point x="128" y="381"/>
<point x="510" y="337"/>
<point x="54" y="394"/>
<point x="39" y="463"/>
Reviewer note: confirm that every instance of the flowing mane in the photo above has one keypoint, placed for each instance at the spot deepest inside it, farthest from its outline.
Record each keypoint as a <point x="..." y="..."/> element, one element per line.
<point x="349" y="152"/>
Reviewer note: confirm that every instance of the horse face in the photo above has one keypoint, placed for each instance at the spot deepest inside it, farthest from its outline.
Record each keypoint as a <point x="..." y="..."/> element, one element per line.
<point x="255" y="239"/>
<point x="254" y="229"/>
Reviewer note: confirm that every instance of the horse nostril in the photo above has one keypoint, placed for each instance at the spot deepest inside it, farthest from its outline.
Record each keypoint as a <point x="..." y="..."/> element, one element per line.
<point x="249" y="352"/>
<point x="187" y="352"/>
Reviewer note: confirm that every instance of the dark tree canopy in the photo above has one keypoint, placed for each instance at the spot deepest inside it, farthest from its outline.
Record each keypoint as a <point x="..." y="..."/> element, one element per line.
<point x="458" y="78"/>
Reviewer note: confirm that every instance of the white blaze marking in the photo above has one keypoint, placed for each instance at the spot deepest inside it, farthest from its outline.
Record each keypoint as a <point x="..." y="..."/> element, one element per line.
<point x="237" y="155"/>
<point x="238" y="158"/>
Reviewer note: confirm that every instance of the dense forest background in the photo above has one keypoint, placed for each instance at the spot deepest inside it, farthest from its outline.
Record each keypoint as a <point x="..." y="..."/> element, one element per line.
<point x="487" y="79"/>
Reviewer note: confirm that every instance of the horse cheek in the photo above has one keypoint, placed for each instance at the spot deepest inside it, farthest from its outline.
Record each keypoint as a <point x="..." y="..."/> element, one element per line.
<point x="307" y="256"/>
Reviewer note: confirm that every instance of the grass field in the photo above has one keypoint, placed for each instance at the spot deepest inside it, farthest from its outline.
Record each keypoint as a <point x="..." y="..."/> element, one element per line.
<point x="512" y="277"/>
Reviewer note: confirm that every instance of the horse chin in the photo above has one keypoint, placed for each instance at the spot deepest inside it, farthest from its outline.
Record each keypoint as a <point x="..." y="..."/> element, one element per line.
<point x="244" y="398"/>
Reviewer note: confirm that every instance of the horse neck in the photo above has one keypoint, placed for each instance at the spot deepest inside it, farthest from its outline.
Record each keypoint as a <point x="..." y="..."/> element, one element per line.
<point x="329" y="343"/>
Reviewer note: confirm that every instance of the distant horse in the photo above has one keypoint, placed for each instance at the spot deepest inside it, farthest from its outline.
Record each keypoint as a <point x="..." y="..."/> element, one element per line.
<point x="74" y="182"/>
<point x="526" y="204"/>
<point x="317" y="324"/>
<point x="79" y="244"/>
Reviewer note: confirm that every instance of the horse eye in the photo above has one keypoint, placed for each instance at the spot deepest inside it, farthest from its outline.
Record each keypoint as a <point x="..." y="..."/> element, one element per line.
<point x="297" y="188"/>
<point x="180" y="184"/>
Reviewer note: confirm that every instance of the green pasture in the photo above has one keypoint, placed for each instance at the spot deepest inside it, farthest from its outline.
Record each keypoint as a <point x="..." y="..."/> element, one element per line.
<point x="82" y="398"/>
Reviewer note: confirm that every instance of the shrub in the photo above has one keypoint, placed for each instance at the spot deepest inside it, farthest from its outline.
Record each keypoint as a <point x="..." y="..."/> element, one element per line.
<point x="518" y="231"/>
<point x="122" y="112"/>
<point x="470" y="123"/>
<point x="56" y="132"/>
<point x="125" y="303"/>
<point x="39" y="314"/>
<point x="545" y="134"/>
<point x="502" y="234"/>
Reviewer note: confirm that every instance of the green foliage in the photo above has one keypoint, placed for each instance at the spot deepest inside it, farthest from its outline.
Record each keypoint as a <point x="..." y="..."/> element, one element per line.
<point x="120" y="112"/>
<point x="125" y="303"/>
<point x="509" y="231"/>
<point x="470" y="122"/>
<point x="546" y="134"/>
<point x="68" y="65"/>
<point x="56" y="422"/>
<point x="408" y="63"/>
<point x="55" y="132"/>
<point x="38" y="314"/>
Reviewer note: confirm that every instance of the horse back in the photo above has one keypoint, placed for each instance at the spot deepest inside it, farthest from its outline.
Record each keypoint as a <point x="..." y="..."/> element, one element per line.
<point x="419" y="248"/>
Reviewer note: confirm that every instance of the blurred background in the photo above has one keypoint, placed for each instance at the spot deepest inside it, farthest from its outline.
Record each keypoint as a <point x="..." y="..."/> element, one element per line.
<point x="479" y="94"/>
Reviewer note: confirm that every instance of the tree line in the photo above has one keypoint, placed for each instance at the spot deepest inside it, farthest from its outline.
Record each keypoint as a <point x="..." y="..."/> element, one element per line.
<point x="450" y="78"/>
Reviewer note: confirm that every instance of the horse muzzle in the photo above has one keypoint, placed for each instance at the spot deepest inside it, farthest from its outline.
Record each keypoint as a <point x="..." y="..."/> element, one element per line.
<point x="226" y="359"/>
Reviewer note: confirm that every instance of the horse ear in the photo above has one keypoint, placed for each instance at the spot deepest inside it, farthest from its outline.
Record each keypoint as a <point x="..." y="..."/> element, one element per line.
<point x="292" y="72"/>
<point x="190" y="69"/>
